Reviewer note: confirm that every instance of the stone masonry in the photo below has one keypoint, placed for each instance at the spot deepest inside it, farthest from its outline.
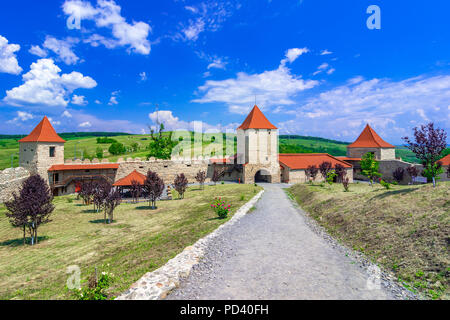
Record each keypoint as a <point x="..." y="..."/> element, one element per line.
<point x="10" y="181"/>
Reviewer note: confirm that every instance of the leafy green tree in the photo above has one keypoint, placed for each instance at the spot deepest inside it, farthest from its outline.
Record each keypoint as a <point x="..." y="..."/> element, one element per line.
<point x="330" y="176"/>
<point x="99" y="153"/>
<point x="370" y="167"/>
<point x="135" y="146"/>
<point x="117" y="148"/>
<point x="161" y="145"/>
<point x="432" y="171"/>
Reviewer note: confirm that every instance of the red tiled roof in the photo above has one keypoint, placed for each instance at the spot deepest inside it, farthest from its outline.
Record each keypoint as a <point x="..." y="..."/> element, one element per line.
<point x="136" y="176"/>
<point x="370" y="139"/>
<point x="256" y="120"/>
<point x="100" y="166"/>
<point x="44" y="132"/>
<point x="296" y="161"/>
<point x="349" y="159"/>
<point x="445" y="160"/>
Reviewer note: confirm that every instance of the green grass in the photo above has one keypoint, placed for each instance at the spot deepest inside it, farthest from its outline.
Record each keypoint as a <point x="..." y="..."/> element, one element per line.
<point x="140" y="240"/>
<point x="405" y="229"/>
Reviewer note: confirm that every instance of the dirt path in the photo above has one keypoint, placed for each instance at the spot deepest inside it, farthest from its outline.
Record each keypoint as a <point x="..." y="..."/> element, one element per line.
<point x="272" y="253"/>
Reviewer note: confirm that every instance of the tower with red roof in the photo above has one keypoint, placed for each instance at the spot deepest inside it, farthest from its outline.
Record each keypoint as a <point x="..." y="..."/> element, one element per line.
<point x="257" y="148"/>
<point x="41" y="149"/>
<point x="370" y="141"/>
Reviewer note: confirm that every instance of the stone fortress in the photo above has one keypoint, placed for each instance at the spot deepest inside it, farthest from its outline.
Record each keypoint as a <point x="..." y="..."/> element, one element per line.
<point x="257" y="160"/>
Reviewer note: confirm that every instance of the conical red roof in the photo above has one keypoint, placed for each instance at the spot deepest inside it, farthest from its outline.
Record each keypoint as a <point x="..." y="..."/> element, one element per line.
<point x="370" y="139"/>
<point x="136" y="176"/>
<point x="44" y="132"/>
<point x="256" y="120"/>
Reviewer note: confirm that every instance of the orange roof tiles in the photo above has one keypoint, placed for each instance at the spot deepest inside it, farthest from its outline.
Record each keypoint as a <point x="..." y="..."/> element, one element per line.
<point x="100" y="166"/>
<point x="44" y="132"/>
<point x="136" y="176"/>
<point x="256" y="120"/>
<point x="370" y="139"/>
<point x="303" y="160"/>
<point x="445" y="160"/>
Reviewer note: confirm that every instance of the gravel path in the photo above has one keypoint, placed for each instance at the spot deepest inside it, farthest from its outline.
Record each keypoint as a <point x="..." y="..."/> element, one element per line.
<point x="275" y="253"/>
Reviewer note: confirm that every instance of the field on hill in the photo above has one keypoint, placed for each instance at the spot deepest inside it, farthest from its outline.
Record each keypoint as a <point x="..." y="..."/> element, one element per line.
<point x="140" y="240"/>
<point x="405" y="229"/>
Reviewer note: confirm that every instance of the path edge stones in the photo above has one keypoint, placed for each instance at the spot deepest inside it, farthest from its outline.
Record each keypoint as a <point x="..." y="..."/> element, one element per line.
<point x="158" y="284"/>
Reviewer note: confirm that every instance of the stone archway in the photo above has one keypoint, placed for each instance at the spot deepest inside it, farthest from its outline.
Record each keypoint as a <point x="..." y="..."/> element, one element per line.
<point x="263" y="175"/>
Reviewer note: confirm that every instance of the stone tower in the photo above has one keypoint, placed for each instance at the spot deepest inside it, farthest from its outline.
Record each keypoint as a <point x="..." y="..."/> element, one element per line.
<point x="257" y="148"/>
<point x="370" y="141"/>
<point x="41" y="149"/>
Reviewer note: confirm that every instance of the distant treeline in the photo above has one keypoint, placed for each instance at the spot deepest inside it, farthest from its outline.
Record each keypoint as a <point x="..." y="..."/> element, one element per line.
<point x="70" y="135"/>
<point x="288" y="148"/>
<point x="292" y="137"/>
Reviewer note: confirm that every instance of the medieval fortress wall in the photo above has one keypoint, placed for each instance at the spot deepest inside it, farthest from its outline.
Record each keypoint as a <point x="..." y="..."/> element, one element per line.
<point x="10" y="181"/>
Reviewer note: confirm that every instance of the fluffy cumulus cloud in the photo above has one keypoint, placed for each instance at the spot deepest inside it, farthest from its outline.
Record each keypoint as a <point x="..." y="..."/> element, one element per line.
<point x="293" y="54"/>
<point x="38" y="51"/>
<point x="206" y="16"/>
<point x="392" y="107"/>
<point x="62" y="48"/>
<point x="107" y="14"/>
<point x="44" y="86"/>
<point x="22" y="116"/>
<point x="79" y="100"/>
<point x="8" y="59"/>
<point x="113" y="100"/>
<point x="85" y="124"/>
<point x="272" y="88"/>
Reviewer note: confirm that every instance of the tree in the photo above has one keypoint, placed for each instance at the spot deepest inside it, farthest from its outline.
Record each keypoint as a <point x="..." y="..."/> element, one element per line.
<point x="330" y="176"/>
<point x="154" y="187"/>
<point x="324" y="168"/>
<point x="215" y="176"/>
<point x="432" y="172"/>
<point x="398" y="174"/>
<point x="87" y="192"/>
<point x="135" y="146"/>
<point x="311" y="172"/>
<point x="99" y="153"/>
<point x="112" y="201"/>
<point x="340" y="172"/>
<point x="200" y="178"/>
<point x="369" y="167"/>
<point x="136" y="190"/>
<point x="180" y="184"/>
<point x="117" y="148"/>
<point x="32" y="207"/>
<point x="428" y="144"/>
<point x="101" y="189"/>
<point x="413" y="172"/>
<point x="161" y="146"/>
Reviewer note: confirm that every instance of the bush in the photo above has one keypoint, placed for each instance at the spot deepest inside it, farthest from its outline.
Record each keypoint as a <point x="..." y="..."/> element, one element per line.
<point x="221" y="208"/>
<point x="180" y="184"/>
<point x="385" y="184"/>
<point x="398" y="174"/>
<point x="117" y="148"/>
<point x="106" y="140"/>
<point x="99" y="153"/>
<point x="96" y="289"/>
<point x="346" y="184"/>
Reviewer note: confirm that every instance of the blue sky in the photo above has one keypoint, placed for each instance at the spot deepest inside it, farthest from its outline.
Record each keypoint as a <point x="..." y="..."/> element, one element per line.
<point x="314" y="66"/>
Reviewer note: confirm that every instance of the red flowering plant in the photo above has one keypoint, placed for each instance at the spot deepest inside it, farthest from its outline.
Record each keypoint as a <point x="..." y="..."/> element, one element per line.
<point x="221" y="208"/>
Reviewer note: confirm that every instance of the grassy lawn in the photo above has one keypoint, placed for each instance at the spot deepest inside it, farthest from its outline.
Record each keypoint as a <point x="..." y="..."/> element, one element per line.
<point x="405" y="229"/>
<point x="140" y="240"/>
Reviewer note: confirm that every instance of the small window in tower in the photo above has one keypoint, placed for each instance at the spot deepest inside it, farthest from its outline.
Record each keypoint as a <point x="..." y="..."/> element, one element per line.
<point x="24" y="150"/>
<point x="52" y="152"/>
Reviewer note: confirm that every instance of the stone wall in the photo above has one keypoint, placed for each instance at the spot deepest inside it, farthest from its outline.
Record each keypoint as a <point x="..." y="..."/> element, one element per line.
<point x="380" y="153"/>
<point x="299" y="176"/>
<point x="10" y="181"/>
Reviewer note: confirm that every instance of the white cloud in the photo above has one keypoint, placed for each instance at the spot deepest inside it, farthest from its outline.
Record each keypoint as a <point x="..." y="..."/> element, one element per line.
<point x="272" y="88"/>
<point x="173" y="123"/>
<point x="98" y="102"/>
<point x="66" y="114"/>
<point x="325" y="52"/>
<point x="293" y="54"/>
<point x="8" y="59"/>
<point x="38" y="51"/>
<point x="388" y="105"/>
<point x="79" y="100"/>
<point x="107" y="14"/>
<point x="331" y="71"/>
<point x="21" y="116"/>
<point x="113" y="99"/>
<point x="208" y="16"/>
<point x="62" y="48"/>
<point x="323" y="66"/>
<point x="86" y="124"/>
<point x="44" y="86"/>
<point x="143" y="76"/>
<point x="54" y="122"/>
<point x="218" y="63"/>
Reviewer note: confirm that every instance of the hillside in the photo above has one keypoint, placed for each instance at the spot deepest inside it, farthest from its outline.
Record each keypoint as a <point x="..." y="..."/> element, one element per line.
<point x="404" y="229"/>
